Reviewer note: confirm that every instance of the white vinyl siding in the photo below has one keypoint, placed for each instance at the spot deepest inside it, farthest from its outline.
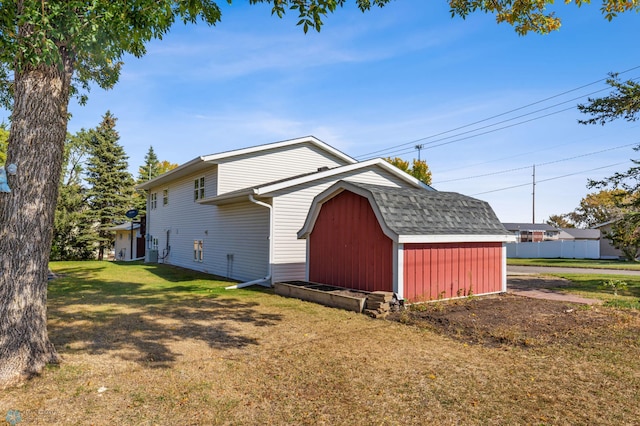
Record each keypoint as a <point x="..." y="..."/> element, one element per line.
<point x="235" y="238"/>
<point x="241" y="250"/>
<point x="291" y="210"/>
<point x="269" y="166"/>
<point x="123" y="244"/>
<point x="182" y="221"/>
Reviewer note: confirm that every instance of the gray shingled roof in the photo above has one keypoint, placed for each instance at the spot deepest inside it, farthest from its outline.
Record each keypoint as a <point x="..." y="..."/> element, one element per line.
<point x="582" y="234"/>
<point x="410" y="211"/>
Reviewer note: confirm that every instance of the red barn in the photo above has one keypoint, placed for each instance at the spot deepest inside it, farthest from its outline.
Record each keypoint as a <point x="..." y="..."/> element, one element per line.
<point x="420" y="244"/>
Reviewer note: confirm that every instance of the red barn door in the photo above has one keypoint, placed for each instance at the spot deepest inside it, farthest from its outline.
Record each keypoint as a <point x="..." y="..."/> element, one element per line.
<point x="347" y="247"/>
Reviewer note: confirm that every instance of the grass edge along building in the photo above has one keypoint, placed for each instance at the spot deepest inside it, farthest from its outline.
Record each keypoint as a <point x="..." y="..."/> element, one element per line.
<point x="237" y="213"/>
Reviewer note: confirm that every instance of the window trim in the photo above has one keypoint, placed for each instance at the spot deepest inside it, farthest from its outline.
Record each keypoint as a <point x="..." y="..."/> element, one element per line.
<point x="198" y="251"/>
<point x="198" y="188"/>
<point x="153" y="200"/>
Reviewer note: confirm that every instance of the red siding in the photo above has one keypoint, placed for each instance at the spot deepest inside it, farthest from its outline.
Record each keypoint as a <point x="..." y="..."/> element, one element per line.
<point x="347" y="247"/>
<point x="437" y="271"/>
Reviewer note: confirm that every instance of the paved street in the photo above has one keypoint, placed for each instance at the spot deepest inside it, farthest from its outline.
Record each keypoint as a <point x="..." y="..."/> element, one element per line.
<point x="524" y="270"/>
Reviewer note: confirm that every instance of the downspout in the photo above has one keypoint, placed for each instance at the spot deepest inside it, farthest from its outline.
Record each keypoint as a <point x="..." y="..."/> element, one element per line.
<point x="266" y="281"/>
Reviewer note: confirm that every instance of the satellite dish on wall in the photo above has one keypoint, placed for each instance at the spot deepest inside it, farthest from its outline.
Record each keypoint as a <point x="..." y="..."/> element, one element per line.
<point x="131" y="213"/>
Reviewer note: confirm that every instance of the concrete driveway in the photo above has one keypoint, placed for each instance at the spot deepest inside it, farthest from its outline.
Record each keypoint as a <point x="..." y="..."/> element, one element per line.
<point x="534" y="270"/>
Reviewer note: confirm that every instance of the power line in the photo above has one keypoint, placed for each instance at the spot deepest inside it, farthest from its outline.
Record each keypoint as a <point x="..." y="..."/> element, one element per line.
<point x="549" y="179"/>
<point x="380" y="152"/>
<point x="537" y="165"/>
<point x="504" y="121"/>
<point x="536" y="151"/>
<point x="388" y="151"/>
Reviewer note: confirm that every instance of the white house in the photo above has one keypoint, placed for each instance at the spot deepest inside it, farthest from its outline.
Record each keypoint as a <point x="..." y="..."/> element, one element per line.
<point x="126" y="241"/>
<point x="237" y="213"/>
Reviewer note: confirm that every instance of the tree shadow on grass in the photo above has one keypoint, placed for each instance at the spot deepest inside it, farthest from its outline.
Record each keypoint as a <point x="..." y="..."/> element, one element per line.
<point x="173" y="273"/>
<point x="142" y="324"/>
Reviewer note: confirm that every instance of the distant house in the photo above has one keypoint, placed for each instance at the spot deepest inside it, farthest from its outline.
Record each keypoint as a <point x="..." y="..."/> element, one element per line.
<point x="422" y="245"/>
<point x="532" y="232"/>
<point x="236" y="214"/>
<point x="579" y="234"/>
<point x="541" y="240"/>
<point x="607" y="250"/>
<point x="125" y="249"/>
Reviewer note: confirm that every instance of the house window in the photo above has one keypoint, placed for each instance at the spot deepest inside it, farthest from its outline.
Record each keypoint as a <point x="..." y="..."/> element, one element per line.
<point x="198" y="189"/>
<point x="165" y="197"/>
<point x="198" y="253"/>
<point x="154" y="200"/>
<point x="154" y="244"/>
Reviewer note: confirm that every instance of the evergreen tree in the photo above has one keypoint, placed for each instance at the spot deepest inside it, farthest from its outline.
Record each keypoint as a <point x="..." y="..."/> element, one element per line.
<point x="74" y="235"/>
<point x="111" y="192"/>
<point x="150" y="168"/>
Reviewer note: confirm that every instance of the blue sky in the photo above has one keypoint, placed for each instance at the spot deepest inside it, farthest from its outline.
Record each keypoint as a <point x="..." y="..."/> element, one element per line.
<point x="387" y="80"/>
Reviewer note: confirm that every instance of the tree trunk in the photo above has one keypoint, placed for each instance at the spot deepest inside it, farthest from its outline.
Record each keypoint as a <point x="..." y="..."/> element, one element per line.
<point x="36" y="143"/>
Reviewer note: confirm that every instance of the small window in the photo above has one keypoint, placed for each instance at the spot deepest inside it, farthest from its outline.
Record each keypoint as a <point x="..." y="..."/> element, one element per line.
<point x="198" y="189"/>
<point x="154" y="200"/>
<point x="154" y="244"/>
<point x="165" y="197"/>
<point x="198" y="254"/>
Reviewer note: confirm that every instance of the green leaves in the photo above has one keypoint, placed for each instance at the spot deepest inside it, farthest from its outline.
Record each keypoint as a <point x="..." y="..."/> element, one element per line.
<point x="623" y="102"/>
<point x="4" y="138"/>
<point x="87" y="38"/>
<point x="418" y="169"/>
<point x="312" y="12"/>
<point x="532" y="15"/>
<point x="111" y="191"/>
<point x="90" y="38"/>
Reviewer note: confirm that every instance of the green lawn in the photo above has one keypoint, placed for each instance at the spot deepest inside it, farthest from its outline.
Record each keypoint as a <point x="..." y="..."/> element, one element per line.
<point x="592" y="285"/>
<point x="131" y="280"/>
<point x="153" y="344"/>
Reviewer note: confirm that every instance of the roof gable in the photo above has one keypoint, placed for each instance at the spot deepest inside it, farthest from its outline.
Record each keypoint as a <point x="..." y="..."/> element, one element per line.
<point x="206" y="161"/>
<point x="258" y="149"/>
<point x="290" y="184"/>
<point x="404" y="213"/>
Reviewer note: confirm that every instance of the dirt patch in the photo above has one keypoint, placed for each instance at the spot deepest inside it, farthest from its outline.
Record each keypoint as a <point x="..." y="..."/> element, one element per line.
<point x="515" y="320"/>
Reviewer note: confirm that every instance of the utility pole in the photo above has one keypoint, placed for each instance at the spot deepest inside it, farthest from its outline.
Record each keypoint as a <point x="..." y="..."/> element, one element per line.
<point x="533" y="215"/>
<point x="419" y="148"/>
